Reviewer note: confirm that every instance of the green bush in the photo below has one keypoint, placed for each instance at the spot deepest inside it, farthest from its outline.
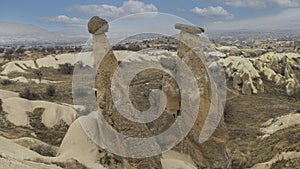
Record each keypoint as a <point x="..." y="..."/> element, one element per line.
<point x="29" y="94"/>
<point x="66" y="68"/>
<point x="51" y="90"/>
<point x="6" y="82"/>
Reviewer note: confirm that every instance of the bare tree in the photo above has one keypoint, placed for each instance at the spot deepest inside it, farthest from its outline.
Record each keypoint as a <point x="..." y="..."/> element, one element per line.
<point x="39" y="75"/>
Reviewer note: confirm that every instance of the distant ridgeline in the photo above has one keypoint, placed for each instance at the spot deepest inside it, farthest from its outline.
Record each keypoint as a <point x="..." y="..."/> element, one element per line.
<point x="223" y="36"/>
<point x="147" y="40"/>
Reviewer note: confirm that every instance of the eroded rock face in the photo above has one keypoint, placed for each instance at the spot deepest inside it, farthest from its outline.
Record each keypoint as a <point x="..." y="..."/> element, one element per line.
<point x="97" y="25"/>
<point x="278" y="68"/>
<point x="212" y="153"/>
<point x="105" y="72"/>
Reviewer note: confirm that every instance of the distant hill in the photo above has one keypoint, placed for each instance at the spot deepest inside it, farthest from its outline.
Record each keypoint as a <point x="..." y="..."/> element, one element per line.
<point x="7" y="28"/>
<point x="250" y="34"/>
<point x="141" y="37"/>
<point x="18" y="34"/>
<point x="28" y="34"/>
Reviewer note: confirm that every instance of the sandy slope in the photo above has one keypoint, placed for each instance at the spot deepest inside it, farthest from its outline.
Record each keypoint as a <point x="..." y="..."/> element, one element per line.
<point x="51" y="61"/>
<point x="17" y="108"/>
<point x="77" y="145"/>
<point x="22" y="79"/>
<point x="15" y="156"/>
<point x="280" y="123"/>
<point x="48" y="61"/>
<point x="11" y="163"/>
<point x="18" y="66"/>
<point x="6" y="94"/>
<point x="278" y="157"/>
<point x="31" y="142"/>
<point x="55" y="61"/>
<point x="176" y="160"/>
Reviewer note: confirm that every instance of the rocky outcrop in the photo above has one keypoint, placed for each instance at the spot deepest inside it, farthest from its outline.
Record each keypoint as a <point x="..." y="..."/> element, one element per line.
<point x="49" y="61"/>
<point x="97" y="25"/>
<point x="210" y="152"/>
<point x="213" y="151"/>
<point x="53" y="114"/>
<point x="245" y="76"/>
<point x="274" y="67"/>
<point x="15" y="156"/>
<point x="77" y="145"/>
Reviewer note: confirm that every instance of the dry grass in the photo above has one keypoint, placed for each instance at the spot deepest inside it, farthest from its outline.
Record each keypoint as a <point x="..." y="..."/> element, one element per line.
<point x="244" y="115"/>
<point x="63" y="93"/>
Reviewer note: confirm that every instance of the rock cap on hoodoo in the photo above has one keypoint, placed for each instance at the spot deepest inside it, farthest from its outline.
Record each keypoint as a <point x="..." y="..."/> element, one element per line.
<point x="189" y="28"/>
<point x="97" y="25"/>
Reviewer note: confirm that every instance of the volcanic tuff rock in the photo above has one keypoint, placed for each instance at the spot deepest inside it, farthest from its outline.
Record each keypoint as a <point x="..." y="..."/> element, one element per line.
<point x="97" y="25"/>
<point x="211" y="153"/>
<point x="278" y="68"/>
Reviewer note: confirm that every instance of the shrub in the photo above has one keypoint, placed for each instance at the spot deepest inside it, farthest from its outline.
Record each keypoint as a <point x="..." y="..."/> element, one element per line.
<point x="20" y="50"/>
<point x="79" y="64"/>
<point x="66" y="68"/>
<point x="39" y="75"/>
<point x="35" y="119"/>
<point x="1" y="109"/>
<point x="6" y="82"/>
<point x="50" y="90"/>
<point x="29" y="94"/>
<point x="44" y="150"/>
<point x="8" y="57"/>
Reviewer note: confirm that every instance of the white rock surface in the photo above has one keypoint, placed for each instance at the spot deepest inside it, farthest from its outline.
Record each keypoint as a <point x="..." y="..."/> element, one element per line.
<point x="240" y="64"/>
<point x="280" y="123"/>
<point x="227" y="48"/>
<point x="22" y="79"/>
<point x="29" y="142"/>
<point x="15" y="156"/>
<point x="18" y="66"/>
<point x="277" y="157"/>
<point x="11" y="149"/>
<point x="16" y="109"/>
<point x="77" y="145"/>
<point x="4" y="94"/>
<point x="55" y="61"/>
<point x="48" y="61"/>
<point x="175" y="160"/>
<point x="11" y="163"/>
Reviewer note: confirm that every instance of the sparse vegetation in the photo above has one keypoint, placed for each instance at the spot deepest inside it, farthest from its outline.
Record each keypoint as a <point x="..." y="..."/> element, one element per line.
<point x="1" y="109"/>
<point x="66" y="68"/>
<point x="35" y="118"/>
<point x="8" y="57"/>
<point x="165" y="43"/>
<point x="110" y="160"/>
<point x="44" y="150"/>
<point x="52" y="136"/>
<point x="71" y="164"/>
<point x="243" y="114"/>
<point x="6" y="82"/>
<point x="51" y="90"/>
<point x="28" y="93"/>
<point x="39" y="75"/>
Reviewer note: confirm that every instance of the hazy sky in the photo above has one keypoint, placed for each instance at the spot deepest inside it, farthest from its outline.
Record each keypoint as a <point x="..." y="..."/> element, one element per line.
<point x="62" y="14"/>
